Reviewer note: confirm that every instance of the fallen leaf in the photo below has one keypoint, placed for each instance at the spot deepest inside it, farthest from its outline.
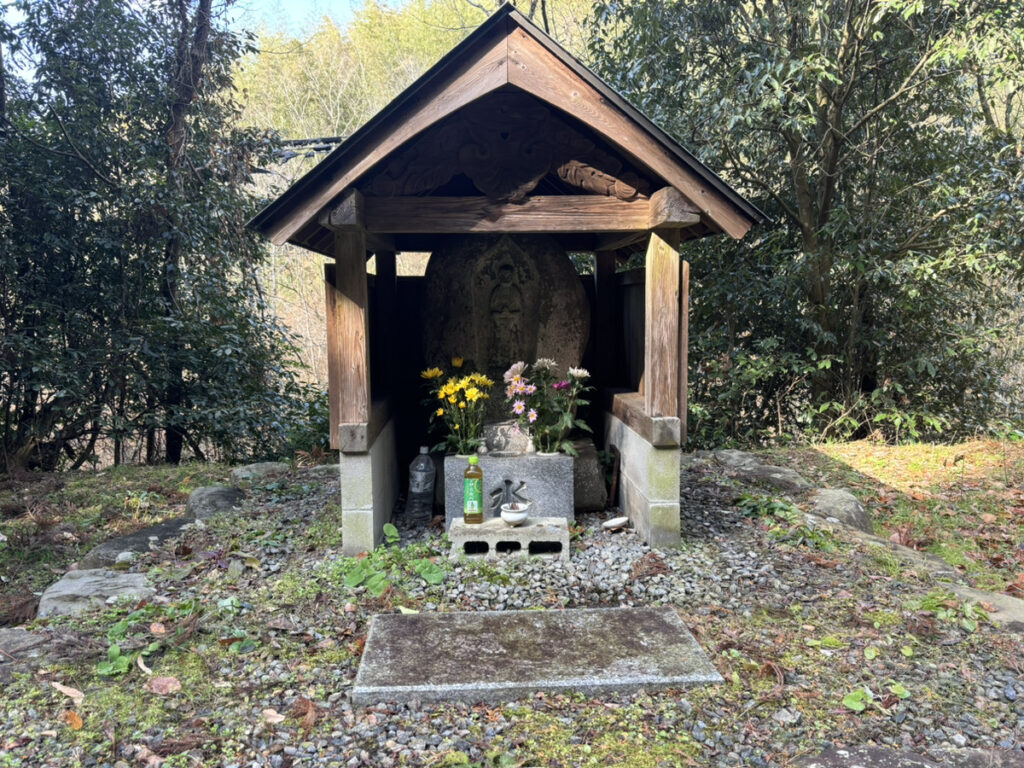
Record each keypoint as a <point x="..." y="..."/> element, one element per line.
<point x="142" y="665"/>
<point x="76" y="695"/>
<point x="163" y="686"/>
<point x="158" y="629"/>
<point x="404" y="610"/>
<point x="272" y="716"/>
<point x="51" y="734"/>
<point x="73" y="720"/>
<point x="987" y="517"/>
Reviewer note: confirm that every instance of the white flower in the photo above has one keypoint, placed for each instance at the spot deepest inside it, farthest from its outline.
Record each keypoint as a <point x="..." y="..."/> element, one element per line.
<point x="545" y="364"/>
<point x="579" y="373"/>
<point x="516" y="370"/>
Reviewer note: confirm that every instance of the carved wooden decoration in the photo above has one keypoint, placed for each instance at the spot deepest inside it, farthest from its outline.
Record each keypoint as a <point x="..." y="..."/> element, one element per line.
<point x="505" y="144"/>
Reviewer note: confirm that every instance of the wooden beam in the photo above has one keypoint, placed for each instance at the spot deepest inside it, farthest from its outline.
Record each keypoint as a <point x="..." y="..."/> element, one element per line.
<point x="352" y="331"/>
<point x="385" y="288"/>
<point x="684" y="346"/>
<point x="659" y="431"/>
<point x="333" y="355"/>
<point x="548" y="214"/>
<point x="347" y="214"/>
<point x="661" y="324"/>
<point x="617" y="240"/>
<point x="538" y="71"/>
<point x="357" y="438"/>
<point x="669" y="209"/>
<point x="485" y="70"/>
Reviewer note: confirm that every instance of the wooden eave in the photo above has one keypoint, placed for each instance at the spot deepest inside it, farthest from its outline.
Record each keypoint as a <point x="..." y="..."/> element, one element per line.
<point x="506" y="51"/>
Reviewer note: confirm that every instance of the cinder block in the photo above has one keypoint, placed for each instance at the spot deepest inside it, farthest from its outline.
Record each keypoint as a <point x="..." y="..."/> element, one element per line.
<point x="494" y="539"/>
<point x="358" y="532"/>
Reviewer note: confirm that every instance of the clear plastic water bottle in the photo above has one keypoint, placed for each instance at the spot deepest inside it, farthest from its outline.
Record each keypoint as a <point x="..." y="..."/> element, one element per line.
<point x="420" y="504"/>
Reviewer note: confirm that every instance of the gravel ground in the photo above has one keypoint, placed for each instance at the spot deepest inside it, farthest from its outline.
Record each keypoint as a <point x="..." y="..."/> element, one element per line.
<point x="793" y="628"/>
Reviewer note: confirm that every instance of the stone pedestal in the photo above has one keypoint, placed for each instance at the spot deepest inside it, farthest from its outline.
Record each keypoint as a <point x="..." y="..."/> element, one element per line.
<point x="548" y="478"/>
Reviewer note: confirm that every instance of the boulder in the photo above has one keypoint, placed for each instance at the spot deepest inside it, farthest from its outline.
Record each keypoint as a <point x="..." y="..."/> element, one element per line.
<point x="590" y="494"/>
<point x="211" y="499"/>
<point x="781" y="478"/>
<point x="258" y="471"/>
<point x="733" y="459"/>
<point x="865" y="757"/>
<point x="981" y="758"/>
<point x="322" y="472"/>
<point x="93" y="589"/>
<point x="842" y="505"/>
<point x="107" y="553"/>
<point x="21" y="648"/>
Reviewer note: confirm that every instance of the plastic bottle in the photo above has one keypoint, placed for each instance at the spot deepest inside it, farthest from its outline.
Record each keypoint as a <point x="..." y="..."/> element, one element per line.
<point x="473" y="493"/>
<point x="419" y="506"/>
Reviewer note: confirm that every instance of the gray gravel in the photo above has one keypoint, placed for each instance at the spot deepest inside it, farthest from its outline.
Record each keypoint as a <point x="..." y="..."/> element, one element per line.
<point x="749" y="599"/>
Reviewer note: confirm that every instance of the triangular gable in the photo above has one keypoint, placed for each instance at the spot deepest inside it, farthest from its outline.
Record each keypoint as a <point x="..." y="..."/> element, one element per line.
<point x="506" y="50"/>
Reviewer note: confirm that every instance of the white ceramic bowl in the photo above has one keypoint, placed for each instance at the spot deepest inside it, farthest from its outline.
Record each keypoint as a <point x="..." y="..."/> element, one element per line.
<point x="515" y="514"/>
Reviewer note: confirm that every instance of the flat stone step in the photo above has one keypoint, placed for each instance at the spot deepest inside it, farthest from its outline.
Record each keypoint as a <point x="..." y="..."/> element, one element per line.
<point x="494" y="539"/>
<point x="506" y="655"/>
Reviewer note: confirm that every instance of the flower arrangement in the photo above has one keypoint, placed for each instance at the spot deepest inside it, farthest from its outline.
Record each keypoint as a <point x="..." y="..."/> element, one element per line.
<point x="545" y="403"/>
<point x="458" y="407"/>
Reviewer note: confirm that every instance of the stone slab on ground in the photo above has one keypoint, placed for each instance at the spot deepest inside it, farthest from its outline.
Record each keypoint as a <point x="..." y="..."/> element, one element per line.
<point x="20" y="648"/>
<point x="1007" y="611"/>
<point x="209" y="500"/>
<point x="105" y="555"/>
<point x="494" y="539"/>
<point x="258" y="471"/>
<point x="505" y="655"/>
<point x="883" y="757"/>
<point x="81" y="591"/>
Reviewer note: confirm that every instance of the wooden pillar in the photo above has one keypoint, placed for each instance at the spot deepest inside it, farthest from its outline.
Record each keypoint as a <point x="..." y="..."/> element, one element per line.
<point x="352" y="342"/>
<point x="383" y="320"/>
<point x="684" y="345"/>
<point x="605" y="341"/>
<point x="333" y="354"/>
<point x="661" y="325"/>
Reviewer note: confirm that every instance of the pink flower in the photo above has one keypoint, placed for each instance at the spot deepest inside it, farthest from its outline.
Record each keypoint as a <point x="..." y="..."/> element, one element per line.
<point x="531" y="416"/>
<point x="560" y="385"/>
<point x="518" y="407"/>
<point x="531" y="388"/>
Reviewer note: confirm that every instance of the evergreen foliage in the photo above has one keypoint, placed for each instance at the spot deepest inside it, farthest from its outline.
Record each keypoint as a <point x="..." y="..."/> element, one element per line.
<point x="129" y="307"/>
<point x="884" y="137"/>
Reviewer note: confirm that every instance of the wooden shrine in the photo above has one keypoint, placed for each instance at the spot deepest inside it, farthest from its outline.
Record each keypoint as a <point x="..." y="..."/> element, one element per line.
<point x="507" y="135"/>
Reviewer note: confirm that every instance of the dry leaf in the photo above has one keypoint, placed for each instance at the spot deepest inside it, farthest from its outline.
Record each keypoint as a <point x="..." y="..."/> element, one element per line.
<point x="142" y="665"/>
<point x="988" y="518"/>
<point x="163" y="685"/>
<point x="272" y="716"/>
<point x="157" y="628"/>
<point x="73" y="720"/>
<point x="76" y="695"/>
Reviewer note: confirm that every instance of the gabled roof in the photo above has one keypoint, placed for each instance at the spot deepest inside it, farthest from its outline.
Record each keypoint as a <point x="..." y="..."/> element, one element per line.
<point x="506" y="51"/>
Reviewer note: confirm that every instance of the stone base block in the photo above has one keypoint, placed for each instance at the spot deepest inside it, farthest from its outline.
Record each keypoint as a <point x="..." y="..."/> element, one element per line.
<point x="494" y="539"/>
<point x="548" y="478"/>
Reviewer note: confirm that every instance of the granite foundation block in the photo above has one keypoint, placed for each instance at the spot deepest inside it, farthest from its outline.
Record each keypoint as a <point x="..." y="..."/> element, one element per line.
<point x="369" y="489"/>
<point x="548" y="478"/>
<point x="494" y="539"/>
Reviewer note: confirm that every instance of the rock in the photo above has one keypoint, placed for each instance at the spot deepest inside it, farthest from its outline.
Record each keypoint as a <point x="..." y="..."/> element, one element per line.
<point x="80" y="591"/>
<point x="322" y="472"/>
<point x="787" y="717"/>
<point x="505" y="437"/>
<point x="733" y="459"/>
<point x="590" y="493"/>
<point x="615" y="523"/>
<point x="108" y="553"/>
<point x="28" y="650"/>
<point x="258" y="471"/>
<point x="207" y="501"/>
<point x="981" y="758"/>
<point x="748" y="468"/>
<point x="1006" y="611"/>
<point x="843" y="506"/>
<point x="865" y="757"/>
<point x="494" y="300"/>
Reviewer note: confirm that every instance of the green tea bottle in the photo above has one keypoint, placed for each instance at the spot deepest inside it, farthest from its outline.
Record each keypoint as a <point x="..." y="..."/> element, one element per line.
<point x="473" y="493"/>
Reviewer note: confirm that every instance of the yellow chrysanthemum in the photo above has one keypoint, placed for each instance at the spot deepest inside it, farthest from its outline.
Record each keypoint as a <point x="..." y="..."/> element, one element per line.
<point x="457" y="362"/>
<point x="456" y="426"/>
<point x="431" y="373"/>
<point x="473" y="394"/>
<point x="462" y="403"/>
<point x="452" y="399"/>
<point x="440" y="412"/>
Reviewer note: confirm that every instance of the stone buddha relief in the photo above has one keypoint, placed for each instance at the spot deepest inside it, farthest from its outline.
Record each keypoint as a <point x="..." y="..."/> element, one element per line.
<point x="494" y="300"/>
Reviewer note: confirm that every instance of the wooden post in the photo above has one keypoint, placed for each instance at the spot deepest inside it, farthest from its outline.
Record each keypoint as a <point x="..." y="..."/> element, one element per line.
<point x="604" y="318"/>
<point x="333" y="354"/>
<point x="386" y="289"/>
<point x="684" y="345"/>
<point x="661" y="326"/>
<point x="351" y="329"/>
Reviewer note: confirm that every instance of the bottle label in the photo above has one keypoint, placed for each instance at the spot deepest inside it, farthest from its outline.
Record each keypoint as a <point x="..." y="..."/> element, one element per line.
<point x="420" y="482"/>
<point x="473" y="496"/>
